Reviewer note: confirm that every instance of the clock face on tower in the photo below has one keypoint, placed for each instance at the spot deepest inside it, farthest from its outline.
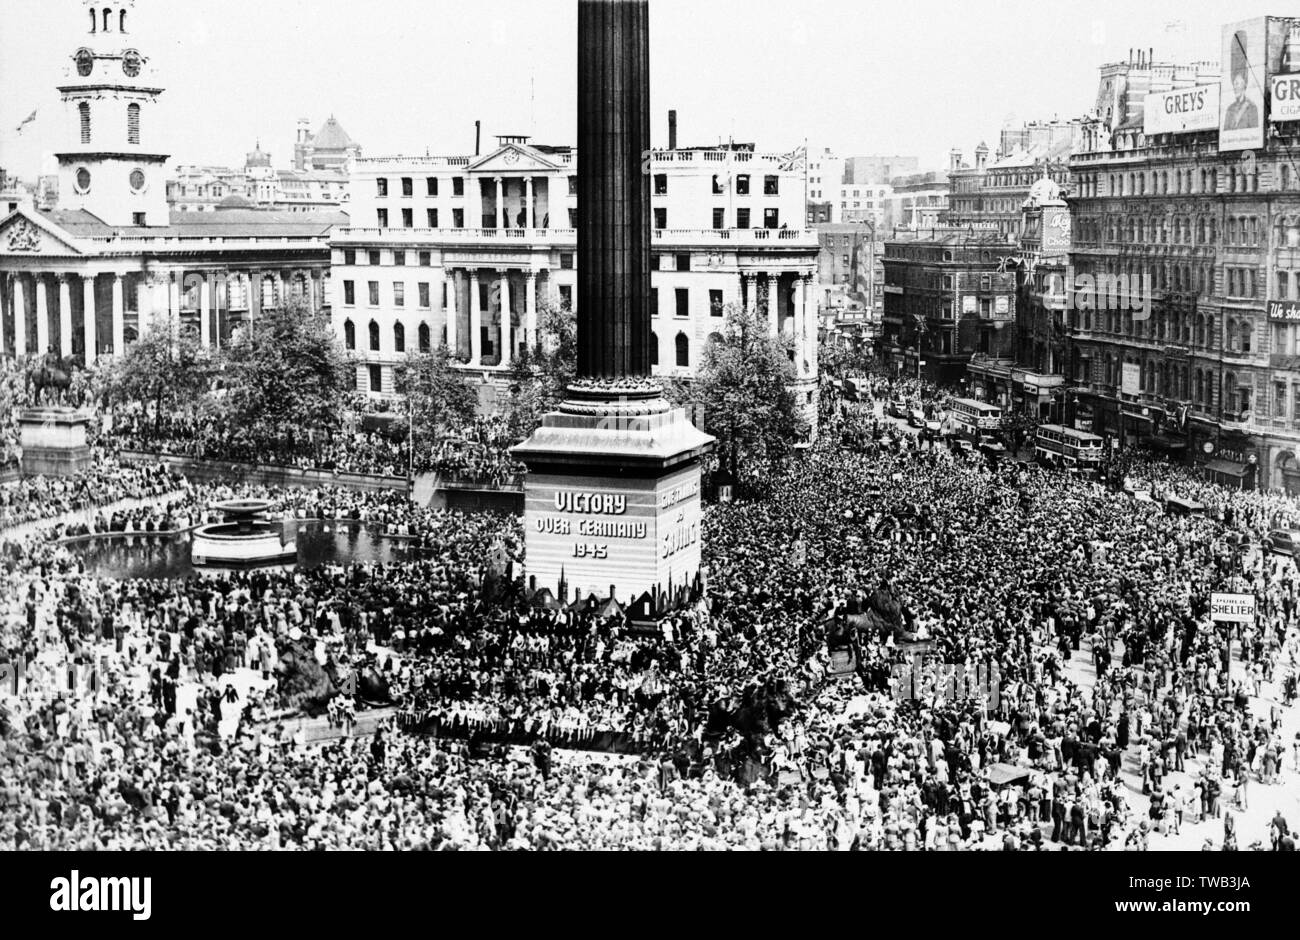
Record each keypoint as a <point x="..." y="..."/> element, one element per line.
<point x="131" y="63"/>
<point x="85" y="62"/>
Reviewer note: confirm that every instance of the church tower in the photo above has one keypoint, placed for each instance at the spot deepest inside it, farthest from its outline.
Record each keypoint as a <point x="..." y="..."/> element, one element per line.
<point x="111" y="166"/>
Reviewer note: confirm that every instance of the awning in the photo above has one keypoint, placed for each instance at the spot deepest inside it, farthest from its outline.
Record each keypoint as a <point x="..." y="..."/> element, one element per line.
<point x="1230" y="467"/>
<point x="1164" y="443"/>
<point x="1001" y="775"/>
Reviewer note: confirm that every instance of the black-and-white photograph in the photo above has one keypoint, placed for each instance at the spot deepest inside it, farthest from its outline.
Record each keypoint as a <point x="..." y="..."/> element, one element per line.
<point x="650" y="425"/>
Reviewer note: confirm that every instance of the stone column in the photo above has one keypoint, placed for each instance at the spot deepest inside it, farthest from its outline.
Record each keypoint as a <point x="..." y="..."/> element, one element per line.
<point x="451" y="309"/>
<point x="42" y="316"/>
<point x="749" y="291"/>
<point x="809" y="328"/>
<point x="528" y="202"/>
<point x="174" y="304"/>
<point x="475" y="321"/>
<point x="20" y="318"/>
<point x="205" y="312"/>
<point x="88" y="314"/>
<point x="773" y="305"/>
<point x="800" y="322"/>
<point x="501" y="202"/>
<point x="254" y="296"/>
<point x="65" y="315"/>
<point x="119" y="314"/>
<point x="530" y="308"/>
<point x="313" y="291"/>
<point x="507" y="320"/>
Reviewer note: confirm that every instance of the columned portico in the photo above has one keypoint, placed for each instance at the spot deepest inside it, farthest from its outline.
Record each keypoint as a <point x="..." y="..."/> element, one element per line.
<point x="205" y="311"/>
<point x="502" y="221"/>
<point x="528" y="202"/>
<point x="119" y="314"/>
<point x="506" y="351"/>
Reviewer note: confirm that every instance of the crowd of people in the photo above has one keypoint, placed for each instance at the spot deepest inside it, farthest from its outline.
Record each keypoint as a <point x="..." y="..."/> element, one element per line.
<point x="1116" y="714"/>
<point x="481" y="454"/>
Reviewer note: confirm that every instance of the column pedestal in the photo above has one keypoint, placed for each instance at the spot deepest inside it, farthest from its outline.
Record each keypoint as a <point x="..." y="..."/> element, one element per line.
<point x="53" y="441"/>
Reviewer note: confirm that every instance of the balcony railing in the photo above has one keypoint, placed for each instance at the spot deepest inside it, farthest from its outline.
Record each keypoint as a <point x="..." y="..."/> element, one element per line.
<point x="785" y="237"/>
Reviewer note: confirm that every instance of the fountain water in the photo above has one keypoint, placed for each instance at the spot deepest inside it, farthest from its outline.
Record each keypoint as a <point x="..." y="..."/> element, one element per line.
<point x="245" y="538"/>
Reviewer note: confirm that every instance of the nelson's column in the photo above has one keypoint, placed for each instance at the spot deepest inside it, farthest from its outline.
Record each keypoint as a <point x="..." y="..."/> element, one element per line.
<point x="612" y="495"/>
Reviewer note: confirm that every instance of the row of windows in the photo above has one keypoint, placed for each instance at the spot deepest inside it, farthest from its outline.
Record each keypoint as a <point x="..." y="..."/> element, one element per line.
<point x="1178" y="181"/>
<point x="423" y="336"/>
<point x="407" y="186"/>
<point x="132" y="122"/>
<point x="681" y="297"/>
<point x="399" y="293"/>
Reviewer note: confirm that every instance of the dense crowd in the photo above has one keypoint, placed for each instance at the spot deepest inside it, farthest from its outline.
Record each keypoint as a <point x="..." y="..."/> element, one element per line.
<point x="481" y="454"/>
<point x="725" y="725"/>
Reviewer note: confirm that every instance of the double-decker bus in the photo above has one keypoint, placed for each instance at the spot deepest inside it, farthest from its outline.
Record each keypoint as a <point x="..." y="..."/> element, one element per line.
<point x="974" y="419"/>
<point x="1067" y="447"/>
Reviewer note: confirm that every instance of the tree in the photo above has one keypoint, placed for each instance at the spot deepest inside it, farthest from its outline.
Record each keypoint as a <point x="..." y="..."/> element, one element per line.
<point x="743" y="384"/>
<point x="287" y="380"/>
<point x="439" y="399"/>
<point x="542" y="372"/>
<point x="169" y="373"/>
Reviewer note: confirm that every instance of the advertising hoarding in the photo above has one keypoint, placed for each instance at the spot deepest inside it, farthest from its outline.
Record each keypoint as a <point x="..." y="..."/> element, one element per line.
<point x="1056" y="230"/>
<point x="1283" y="311"/>
<point x="1241" y="87"/>
<point x="1284" y="98"/>
<point x="1182" y="111"/>
<point x="1131" y="379"/>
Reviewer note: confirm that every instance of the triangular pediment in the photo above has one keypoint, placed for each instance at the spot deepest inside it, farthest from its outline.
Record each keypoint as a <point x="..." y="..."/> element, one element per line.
<point x="25" y="234"/>
<point x="513" y="159"/>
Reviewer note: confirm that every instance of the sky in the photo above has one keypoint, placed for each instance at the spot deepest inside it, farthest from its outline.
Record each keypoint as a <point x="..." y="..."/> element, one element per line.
<point x="412" y="76"/>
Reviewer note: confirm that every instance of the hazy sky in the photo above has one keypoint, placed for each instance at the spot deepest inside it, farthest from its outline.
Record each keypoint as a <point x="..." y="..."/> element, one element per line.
<point x="403" y="76"/>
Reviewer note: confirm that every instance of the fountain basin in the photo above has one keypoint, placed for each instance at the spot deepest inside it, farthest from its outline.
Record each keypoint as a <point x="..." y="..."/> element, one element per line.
<point x="243" y="540"/>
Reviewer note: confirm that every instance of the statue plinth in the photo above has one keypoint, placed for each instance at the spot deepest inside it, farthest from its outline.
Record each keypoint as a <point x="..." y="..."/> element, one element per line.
<point x="612" y="499"/>
<point x="53" y="441"/>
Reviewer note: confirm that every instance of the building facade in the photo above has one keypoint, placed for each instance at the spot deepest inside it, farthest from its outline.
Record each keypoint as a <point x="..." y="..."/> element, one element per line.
<point x="466" y="250"/>
<point x="948" y="297"/>
<point x="86" y="277"/>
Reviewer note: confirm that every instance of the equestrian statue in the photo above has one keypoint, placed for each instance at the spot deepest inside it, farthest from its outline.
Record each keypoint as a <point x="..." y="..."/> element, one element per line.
<point x="49" y="380"/>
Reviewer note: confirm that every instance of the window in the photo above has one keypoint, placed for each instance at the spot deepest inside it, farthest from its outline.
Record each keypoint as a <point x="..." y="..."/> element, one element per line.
<point x="381" y="187"/>
<point x="83" y="112"/>
<point x="573" y="186"/>
<point x="133" y="123"/>
<point x="424" y="295"/>
<point x="426" y="259"/>
<point x="1279" y="399"/>
<point x="349" y="294"/>
<point x="431" y="218"/>
<point x="383" y="218"/>
<point x="431" y="186"/>
<point x="573" y="218"/>
<point x="683" y="262"/>
<point x="408" y="218"/>
<point x="718" y="188"/>
<point x="458" y="185"/>
<point x="661" y="218"/>
<point x="770" y="185"/>
<point x="654" y="348"/>
<point x="683" y="296"/>
<point x="349" y="334"/>
<point x="399" y="258"/>
<point x="349" y="256"/>
<point x="771" y="218"/>
<point x="742" y="185"/>
<point x="715" y="303"/>
<point x="137" y="218"/>
<point x="654" y="301"/>
<point x="399" y="337"/>
<point x="373" y="257"/>
<point x="661" y="184"/>
<point x="399" y="294"/>
<point x="408" y="186"/>
<point x="423" y="337"/>
<point x="683" y="350"/>
<point x="719" y="218"/>
<point x="742" y="218"/>
<point x="566" y="260"/>
<point x="376" y="376"/>
<point x="566" y="296"/>
<point x="374" y="293"/>
<point x="458" y="218"/>
<point x="374" y="336"/>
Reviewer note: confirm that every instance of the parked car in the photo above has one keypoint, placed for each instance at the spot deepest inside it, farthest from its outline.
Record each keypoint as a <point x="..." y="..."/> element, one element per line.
<point x="934" y="427"/>
<point x="1282" y="541"/>
<point x="898" y="408"/>
<point x="916" y="418"/>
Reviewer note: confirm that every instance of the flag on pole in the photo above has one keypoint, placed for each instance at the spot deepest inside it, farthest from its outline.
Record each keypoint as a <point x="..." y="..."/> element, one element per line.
<point x="795" y="160"/>
<point x="27" y="120"/>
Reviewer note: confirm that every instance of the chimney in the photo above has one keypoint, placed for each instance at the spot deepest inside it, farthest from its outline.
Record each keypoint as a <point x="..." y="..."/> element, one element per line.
<point x="478" y="133"/>
<point x="672" y="130"/>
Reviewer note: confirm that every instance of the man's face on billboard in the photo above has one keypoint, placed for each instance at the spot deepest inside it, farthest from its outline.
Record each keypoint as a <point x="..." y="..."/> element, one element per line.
<point x="1239" y="87"/>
